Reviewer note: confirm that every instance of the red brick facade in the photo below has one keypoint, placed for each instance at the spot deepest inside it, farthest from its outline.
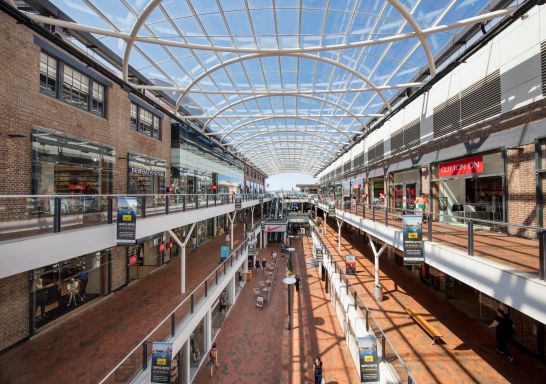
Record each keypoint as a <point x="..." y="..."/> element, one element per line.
<point x="14" y="309"/>
<point x="119" y="267"/>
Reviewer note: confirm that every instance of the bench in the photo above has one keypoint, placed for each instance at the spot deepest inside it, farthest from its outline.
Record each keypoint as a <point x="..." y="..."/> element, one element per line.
<point x="426" y="326"/>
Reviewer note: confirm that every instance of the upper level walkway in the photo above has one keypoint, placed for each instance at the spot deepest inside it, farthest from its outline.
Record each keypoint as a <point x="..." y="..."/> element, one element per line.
<point x="91" y="341"/>
<point x="468" y="355"/>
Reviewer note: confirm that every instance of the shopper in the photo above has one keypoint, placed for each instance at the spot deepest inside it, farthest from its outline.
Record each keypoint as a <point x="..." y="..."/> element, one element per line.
<point x="257" y="264"/>
<point x="213" y="359"/>
<point x="41" y="297"/>
<point x="263" y="264"/>
<point x="421" y="204"/>
<point x="83" y="276"/>
<point x="504" y="329"/>
<point x="298" y="279"/>
<point x="317" y="370"/>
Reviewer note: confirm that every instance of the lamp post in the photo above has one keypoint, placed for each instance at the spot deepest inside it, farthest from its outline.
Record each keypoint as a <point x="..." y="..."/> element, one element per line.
<point x="290" y="250"/>
<point x="289" y="280"/>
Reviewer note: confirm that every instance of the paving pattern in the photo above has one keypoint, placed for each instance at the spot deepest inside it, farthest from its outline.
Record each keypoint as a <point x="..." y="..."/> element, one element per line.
<point x="468" y="355"/>
<point x="257" y="347"/>
<point x="88" y="344"/>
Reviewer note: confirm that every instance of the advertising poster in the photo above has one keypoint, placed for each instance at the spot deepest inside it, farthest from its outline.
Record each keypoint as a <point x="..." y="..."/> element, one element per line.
<point x="224" y="252"/>
<point x="126" y="223"/>
<point x="368" y="360"/>
<point x="161" y="362"/>
<point x="319" y="256"/>
<point x="238" y="202"/>
<point x="262" y="224"/>
<point x="413" y="239"/>
<point x="350" y="265"/>
<point x="331" y="207"/>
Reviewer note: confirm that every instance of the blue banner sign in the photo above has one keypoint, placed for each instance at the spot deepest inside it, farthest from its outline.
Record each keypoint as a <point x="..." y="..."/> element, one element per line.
<point x="161" y="362"/>
<point x="126" y="223"/>
<point x="413" y="239"/>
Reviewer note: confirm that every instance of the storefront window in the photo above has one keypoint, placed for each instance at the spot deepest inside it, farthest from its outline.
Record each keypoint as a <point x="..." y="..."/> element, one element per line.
<point x="197" y="347"/>
<point x="144" y="258"/>
<point x="398" y="196"/>
<point x="59" y="288"/>
<point x="219" y="311"/>
<point x="68" y="165"/>
<point x="146" y="174"/>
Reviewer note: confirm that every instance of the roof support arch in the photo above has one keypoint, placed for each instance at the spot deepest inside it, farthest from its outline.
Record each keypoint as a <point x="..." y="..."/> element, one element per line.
<point x="303" y="55"/>
<point x="256" y="97"/>
<point x="245" y="139"/>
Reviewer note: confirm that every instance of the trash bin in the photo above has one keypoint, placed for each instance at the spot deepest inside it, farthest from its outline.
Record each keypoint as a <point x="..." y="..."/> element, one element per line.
<point x="378" y="292"/>
<point x="249" y="275"/>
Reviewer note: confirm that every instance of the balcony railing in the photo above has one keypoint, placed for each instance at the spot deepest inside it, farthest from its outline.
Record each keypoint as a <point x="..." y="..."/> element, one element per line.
<point x="519" y="247"/>
<point x="30" y="215"/>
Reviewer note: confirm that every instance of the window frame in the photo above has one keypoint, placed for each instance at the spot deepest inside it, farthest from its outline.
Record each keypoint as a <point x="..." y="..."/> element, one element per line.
<point x="154" y="118"/>
<point x="60" y="92"/>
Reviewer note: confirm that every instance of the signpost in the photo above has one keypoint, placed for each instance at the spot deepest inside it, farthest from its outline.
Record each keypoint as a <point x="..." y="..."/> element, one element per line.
<point x="238" y="202"/>
<point x="161" y="362"/>
<point x="126" y="223"/>
<point x="262" y="224"/>
<point x="350" y="265"/>
<point x="331" y="207"/>
<point x="413" y="239"/>
<point x="319" y="255"/>
<point x="224" y="252"/>
<point x="368" y="360"/>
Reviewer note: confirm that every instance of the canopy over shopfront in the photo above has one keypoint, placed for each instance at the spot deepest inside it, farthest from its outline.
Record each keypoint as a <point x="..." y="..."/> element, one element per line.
<point x="288" y="85"/>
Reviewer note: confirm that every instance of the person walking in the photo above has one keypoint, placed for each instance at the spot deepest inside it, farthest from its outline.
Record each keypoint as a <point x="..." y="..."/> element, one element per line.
<point x="504" y="329"/>
<point x="298" y="279"/>
<point x="257" y="264"/>
<point x="213" y="359"/>
<point x="263" y="264"/>
<point x="317" y="370"/>
<point x="83" y="276"/>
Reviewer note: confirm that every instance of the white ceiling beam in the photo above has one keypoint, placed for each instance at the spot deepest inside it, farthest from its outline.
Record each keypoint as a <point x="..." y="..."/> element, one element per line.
<point x="188" y="117"/>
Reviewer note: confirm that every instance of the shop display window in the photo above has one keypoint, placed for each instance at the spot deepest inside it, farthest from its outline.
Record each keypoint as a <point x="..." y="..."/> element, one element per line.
<point x="219" y="312"/>
<point x="398" y="197"/>
<point x="411" y="191"/>
<point x="197" y="346"/>
<point x="146" y="174"/>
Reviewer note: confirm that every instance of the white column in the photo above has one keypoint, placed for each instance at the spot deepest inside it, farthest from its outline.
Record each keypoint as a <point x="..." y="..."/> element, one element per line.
<point x="325" y="214"/>
<point x="182" y="246"/>
<point x="231" y="219"/>
<point x="208" y="330"/>
<point x="185" y="363"/>
<point x="252" y="216"/>
<point x="231" y="289"/>
<point x="376" y="255"/>
<point x="339" y="225"/>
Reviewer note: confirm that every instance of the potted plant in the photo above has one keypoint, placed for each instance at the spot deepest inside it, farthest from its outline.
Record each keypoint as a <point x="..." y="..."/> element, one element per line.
<point x="289" y="268"/>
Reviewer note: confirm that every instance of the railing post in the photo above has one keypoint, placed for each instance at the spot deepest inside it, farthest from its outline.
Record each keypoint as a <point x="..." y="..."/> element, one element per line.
<point x="429" y="226"/>
<point x="542" y="255"/>
<point x="373" y="212"/>
<point x="143" y="206"/>
<point x="410" y="380"/>
<point x="383" y="345"/>
<point x="225" y="268"/>
<point x="196" y="201"/>
<point x="356" y="305"/>
<point x="367" y="320"/>
<point x="57" y="216"/>
<point x="216" y="275"/>
<point x="347" y="286"/>
<point x="144" y="356"/>
<point x="207" y="201"/>
<point x="183" y="202"/>
<point x="110" y="210"/>
<point x="166" y="204"/>
<point x="470" y="235"/>
<point x="191" y="303"/>
<point x="206" y="288"/>
<point x="173" y="325"/>
<point x="387" y="216"/>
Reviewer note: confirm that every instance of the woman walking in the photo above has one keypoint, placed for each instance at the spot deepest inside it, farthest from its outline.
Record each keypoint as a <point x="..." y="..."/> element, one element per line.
<point x="317" y="370"/>
<point x="213" y="359"/>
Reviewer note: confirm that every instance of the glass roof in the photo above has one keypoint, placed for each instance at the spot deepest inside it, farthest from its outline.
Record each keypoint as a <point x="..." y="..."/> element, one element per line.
<point x="287" y="84"/>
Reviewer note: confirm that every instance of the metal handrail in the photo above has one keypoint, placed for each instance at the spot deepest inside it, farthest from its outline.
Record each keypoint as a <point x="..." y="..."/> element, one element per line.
<point x="63" y="195"/>
<point x="328" y="254"/>
<point x="168" y="317"/>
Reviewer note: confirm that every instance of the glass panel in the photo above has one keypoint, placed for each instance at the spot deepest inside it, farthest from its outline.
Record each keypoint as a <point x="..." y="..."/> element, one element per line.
<point x="145" y="121"/>
<point x="48" y="75"/>
<point x="75" y="88"/>
<point x="97" y="102"/>
<point x="134" y="117"/>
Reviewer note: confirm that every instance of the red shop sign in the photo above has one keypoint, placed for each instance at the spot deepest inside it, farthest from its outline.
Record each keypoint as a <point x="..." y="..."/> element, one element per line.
<point x="162" y="247"/>
<point x="462" y="167"/>
<point x="132" y="260"/>
<point x="170" y="244"/>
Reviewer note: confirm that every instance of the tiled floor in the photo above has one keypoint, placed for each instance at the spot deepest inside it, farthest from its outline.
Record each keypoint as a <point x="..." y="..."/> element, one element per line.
<point x="514" y="252"/>
<point x="468" y="355"/>
<point x="85" y="347"/>
<point x="256" y="347"/>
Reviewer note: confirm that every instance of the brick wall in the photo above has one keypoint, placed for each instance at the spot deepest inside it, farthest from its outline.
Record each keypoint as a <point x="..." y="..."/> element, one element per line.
<point x="14" y="309"/>
<point x="22" y="106"/>
<point x="521" y="188"/>
<point x="119" y="271"/>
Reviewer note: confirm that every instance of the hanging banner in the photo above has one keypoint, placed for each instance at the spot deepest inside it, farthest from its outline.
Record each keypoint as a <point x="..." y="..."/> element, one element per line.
<point x="126" y="223"/>
<point x="238" y="202"/>
<point x="161" y="362"/>
<point x="332" y="207"/>
<point x="368" y="361"/>
<point x="275" y="228"/>
<point x="413" y="239"/>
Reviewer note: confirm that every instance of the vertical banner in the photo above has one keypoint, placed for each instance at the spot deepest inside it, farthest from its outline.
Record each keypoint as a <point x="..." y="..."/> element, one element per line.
<point x="350" y="265"/>
<point x="413" y="239"/>
<point x="331" y="207"/>
<point x="161" y="362"/>
<point x="368" y="361"/>
<point x="319" y="256"/>
<point x="262" y="224"/>
<point x="238" y="202"/>
<point x="126" y="223"/>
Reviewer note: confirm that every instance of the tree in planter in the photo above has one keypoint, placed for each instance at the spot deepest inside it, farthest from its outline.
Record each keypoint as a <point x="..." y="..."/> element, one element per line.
<point x="289" y="268"/>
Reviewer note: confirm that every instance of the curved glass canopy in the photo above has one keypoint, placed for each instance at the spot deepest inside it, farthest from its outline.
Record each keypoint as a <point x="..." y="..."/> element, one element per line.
<point x="287" y="84"/>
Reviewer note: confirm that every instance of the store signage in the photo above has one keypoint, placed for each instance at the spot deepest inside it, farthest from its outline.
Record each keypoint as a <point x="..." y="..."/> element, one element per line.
<point x="162" y="247"/>
<point x="368" y="360"/>
<point x="413" y="239"/>
<point x="350" y="265"/>
<point x="275" y="228"/>
<point x="161" y="362"/>
<point x="332" y="207"/>
<point x="262" y="224"/>
<point x="224" y="252"/>
<point x="319" y="255"/>
<point x="238" y="202"/>
<point x="126" y="223"/>
<point x="132" y="260"/>
<point x="146" y="171"/>
<point x="462" y="167"/>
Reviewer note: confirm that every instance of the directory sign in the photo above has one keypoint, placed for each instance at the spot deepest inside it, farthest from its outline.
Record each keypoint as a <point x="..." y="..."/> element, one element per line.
<point x="368" y="360"/>
<point x="413" y="239"/>
<point x="161" y="362"/>
<point x="126" y="223"/>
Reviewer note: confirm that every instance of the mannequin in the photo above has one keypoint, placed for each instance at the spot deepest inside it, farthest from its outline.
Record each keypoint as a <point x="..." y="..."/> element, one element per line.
<point x="41" y="296"/>
<point x="72" y="287"/>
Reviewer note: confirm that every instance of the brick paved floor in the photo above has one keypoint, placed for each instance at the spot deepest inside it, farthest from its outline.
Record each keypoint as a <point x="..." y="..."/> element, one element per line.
<point x="468" y="355"/>
<point x="85" y="347"/>
<point x="514" y="252"/>
<point x="255" y="345"/>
